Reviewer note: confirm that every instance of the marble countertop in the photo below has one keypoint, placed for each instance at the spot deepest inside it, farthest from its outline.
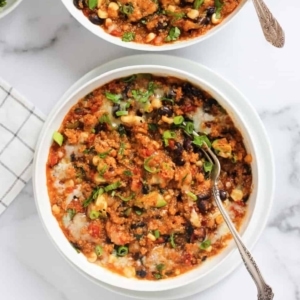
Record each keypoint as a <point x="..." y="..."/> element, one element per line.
<point x="43" y="50"/>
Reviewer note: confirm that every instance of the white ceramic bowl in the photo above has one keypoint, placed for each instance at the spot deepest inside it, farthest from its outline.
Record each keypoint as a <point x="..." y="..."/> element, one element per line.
<point x="97" y="30"/>
<point x="9" y="7"/>
<point x="101" y="274"/>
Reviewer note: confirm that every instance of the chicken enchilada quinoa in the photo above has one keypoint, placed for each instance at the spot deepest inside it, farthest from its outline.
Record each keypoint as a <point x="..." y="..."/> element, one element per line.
<point x="156" y="22"/>
<point x="129" y="184"/>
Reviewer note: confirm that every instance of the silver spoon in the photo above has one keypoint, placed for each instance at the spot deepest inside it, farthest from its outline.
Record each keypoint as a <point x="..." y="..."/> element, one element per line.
<point x="264" y="291"/>
<point x="272" y="30"/>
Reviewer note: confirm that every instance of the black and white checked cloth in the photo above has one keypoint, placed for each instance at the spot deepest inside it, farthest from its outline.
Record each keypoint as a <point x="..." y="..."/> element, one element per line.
<point x="20" y="124"/>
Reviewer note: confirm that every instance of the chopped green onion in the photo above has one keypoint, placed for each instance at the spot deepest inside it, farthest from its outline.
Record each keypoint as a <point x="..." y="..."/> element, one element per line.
<point x="172" y="242"/>
<point x="192" y="195"/>
<point x="189" y="127"/>
<point x="168" y="99"/>
<point x="219" y="6"/>
<point x="156" y="233"/>
<point x="76" y="247"/>
<point x="125" y="199"/>
<point x="127" y="212"/>
<point x="103" y="170"/>
<point x="96" y="192"/>
<point x="93" y="4"/>
<point x="177" y="15"/>
<point x="122" y="148"/>
<point x="58" y="138"/>
<point x="127" y="9"/>
<point x="160" y="267"/>
<point x="122" y="113"/>
<point x="205" y="244"/>
<point x="115" y="98"/>
<point x="157" y="276"/>
<point x="105" y="119"/>
<point x="152" y="127"/>
<point x="128" y="36"/>
<point x="178" y="120"/>
<point x="147" y="167"/>
<point x="138" y="212"/>
<point x="173" y="35"/>
<point x="94" y="214"/>
<point x="129" y="79"/>
<point x="200" y="140"/>
<point x="89" y="150"/>
<point x="98" y="250"/>
<point x="168" y="135"/>
<point x="198" y="3"/>
<point x="112" y="186"/>
<point x="161" y="202"/>
<point x="121" y="129"/>
<point x="104" y="154"/>
<point x="127" y="173"/>
<point x="71" y="213"/>
<point x="207" y="166"/>
<point x="93" y="130"/>
<point x="122" y="251"/>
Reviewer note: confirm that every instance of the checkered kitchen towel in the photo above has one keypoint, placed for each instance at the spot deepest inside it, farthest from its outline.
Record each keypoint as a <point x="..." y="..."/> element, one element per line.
<point x="20" y="124"/>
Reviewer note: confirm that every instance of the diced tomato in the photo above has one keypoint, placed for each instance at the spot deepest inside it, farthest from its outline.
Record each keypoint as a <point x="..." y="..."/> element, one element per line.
<point x="53" y="159"/>
<point x="189" y="108"/>
<point x="116" y="33"/>
<point x="94" y="108"/>
<point x="171" y="143"/>
<point x="187" y="258"/>
<point x="94" y="230"/>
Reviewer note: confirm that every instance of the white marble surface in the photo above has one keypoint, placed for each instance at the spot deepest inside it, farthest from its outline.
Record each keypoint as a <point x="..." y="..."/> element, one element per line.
<point x="43" y="50"/>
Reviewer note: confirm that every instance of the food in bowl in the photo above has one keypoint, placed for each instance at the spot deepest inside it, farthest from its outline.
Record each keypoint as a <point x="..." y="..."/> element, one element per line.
<point x="129" y="185"/>
<point x="156" y="22"/>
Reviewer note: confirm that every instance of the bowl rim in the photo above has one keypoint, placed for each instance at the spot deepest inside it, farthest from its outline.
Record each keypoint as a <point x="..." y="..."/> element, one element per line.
<point x="116" y="72"/>
<point x="78" y="15"/>
<point x="7" y="10"/>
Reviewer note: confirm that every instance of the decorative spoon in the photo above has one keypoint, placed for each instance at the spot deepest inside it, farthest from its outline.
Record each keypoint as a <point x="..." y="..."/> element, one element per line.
<point x="272" y="30"/>
<point x="264" y="291"/>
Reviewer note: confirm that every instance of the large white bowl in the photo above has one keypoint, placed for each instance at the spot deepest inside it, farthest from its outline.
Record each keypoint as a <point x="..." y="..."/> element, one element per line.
<point x="97" y="30"/>
<point x="254" y="219"/>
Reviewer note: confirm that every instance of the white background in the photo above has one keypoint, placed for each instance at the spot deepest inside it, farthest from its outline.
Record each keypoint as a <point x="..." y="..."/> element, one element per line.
<point x="43" y="50"/>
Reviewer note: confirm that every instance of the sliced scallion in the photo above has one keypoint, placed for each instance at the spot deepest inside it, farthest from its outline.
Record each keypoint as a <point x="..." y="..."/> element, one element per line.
<point x="112" y="186"/>
<point x="58" y="138"/>
<point x="178" y="120"/>
<point x="147" y="167"/>
<point x="122" y="251"/>
<point x="200" y="140"/>
<point x="172" y="242"/>
<point x="207" y="166"/>
<point x="192" y="195"/>
<point x="94" y="215"/>
<point x="125" y="199"/>
<point x="98" y="250"/>
<point x="205" y="244"/>
<point x="115" y="98"/>
<point x="156" y="233"/>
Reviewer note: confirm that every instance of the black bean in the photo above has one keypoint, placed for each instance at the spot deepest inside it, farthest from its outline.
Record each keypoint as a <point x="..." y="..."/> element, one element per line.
<point x="115" y="108"/>
<point x="137" y="225"/>
<point x="162" y="23"/>
<point x="171" y="93"/>
<point x="125" y="91"/>
<point x="189" y="229"/>
<point x="141" y="273"/>
<point x="100" y="127"/>
<point x="79" y="4"/>
<point x="204" y="258"/>
<point x="145" y="189"/>
<point x="203" y="196"/>
<point x="165" y="111"/>
<point x="178" y="149"/>
<point x="178" y="160"/>
<point x="139" y="113"/>
<point x="204" y="20"/>
<point x="204" y="206"/>
<point x="208" y="104"/>
<point x="187" y="144"/>
<point x="73" y="157"/>
<point x="223" y="195"/>
<point x="180" y="239"/>
<point x="79" y="111"/>
<point x="190" y="90"/>
<point x="210" y="11"/>
<point x="95" y="19"/>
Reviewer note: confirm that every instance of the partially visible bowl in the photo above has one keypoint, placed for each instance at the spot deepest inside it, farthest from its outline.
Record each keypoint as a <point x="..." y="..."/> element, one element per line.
<point x="43" y="203"/>
<point x="98" y="31"/>
<point x="9" y="7"/>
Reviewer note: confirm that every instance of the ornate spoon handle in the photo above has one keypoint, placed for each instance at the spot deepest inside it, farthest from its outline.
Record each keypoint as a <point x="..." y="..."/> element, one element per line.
<point x="270" y="26"/>
<point x="264" y="291"/>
